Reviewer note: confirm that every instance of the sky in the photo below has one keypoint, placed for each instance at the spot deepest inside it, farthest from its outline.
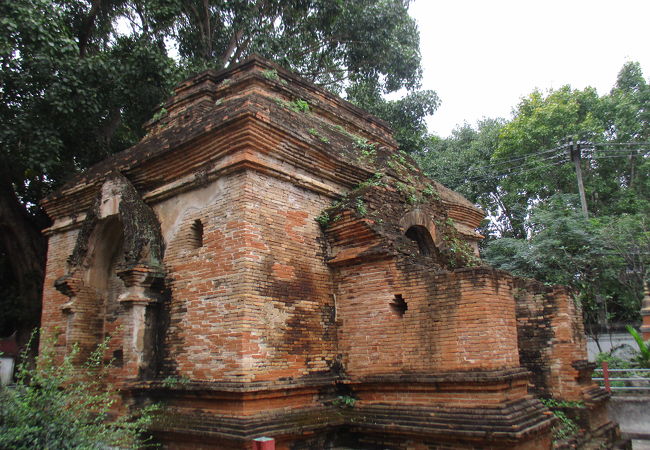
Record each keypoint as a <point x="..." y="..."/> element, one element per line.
<point x="483" y="56"/>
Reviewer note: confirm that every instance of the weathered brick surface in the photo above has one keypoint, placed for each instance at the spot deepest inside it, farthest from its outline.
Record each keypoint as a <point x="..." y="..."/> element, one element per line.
<point x="455" y="321"/>
<point x="258" y="320"/>
<point x="53" y="321"/>
<point x="551" y="338"/>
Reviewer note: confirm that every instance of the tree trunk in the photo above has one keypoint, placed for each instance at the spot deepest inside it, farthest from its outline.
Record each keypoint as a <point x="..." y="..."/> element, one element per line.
<point x="25" y="249"/>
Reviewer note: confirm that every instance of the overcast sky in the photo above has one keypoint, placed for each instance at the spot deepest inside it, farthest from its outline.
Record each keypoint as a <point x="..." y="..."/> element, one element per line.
<point x="482" y="56"/>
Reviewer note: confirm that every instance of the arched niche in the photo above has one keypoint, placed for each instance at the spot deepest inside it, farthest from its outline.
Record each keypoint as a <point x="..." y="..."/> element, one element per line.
<point x="115" y="276"/>
<point x="422" y="237"/>
<point x="104" y="260"/>
<point x="418" y="226"/>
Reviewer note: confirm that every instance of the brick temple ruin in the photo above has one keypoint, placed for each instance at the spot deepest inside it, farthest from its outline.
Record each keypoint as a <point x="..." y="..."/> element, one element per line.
<point x="268" y="263"/>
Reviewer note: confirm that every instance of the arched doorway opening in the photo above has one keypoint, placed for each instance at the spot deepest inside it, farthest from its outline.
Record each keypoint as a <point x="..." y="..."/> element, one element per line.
<point x="422" y="237"/>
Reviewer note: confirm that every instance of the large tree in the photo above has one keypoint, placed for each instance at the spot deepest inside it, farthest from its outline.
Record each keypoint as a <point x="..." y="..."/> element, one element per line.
<point x="78" y="78"/>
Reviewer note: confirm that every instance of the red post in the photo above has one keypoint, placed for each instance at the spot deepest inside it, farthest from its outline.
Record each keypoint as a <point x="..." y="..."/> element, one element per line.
<point x="606" y="376"/>
<point x="263" y="443"/>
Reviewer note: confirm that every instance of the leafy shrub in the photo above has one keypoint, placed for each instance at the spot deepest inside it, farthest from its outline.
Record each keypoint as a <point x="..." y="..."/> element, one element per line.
<point x="66" y="405"/>
<point x="565" y="427"/>
<point x="642" y="357"/>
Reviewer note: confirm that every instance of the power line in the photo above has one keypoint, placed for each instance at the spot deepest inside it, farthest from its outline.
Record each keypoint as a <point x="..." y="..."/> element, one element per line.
<point x="606" y="144"/>
<point x="507" y="161"/>
<point x="535" y="161"/>
<point x="532" y="162"/>
<point x="519" y="172"/>
<point x="610" y="156"/>
<point x="539" y="166"/>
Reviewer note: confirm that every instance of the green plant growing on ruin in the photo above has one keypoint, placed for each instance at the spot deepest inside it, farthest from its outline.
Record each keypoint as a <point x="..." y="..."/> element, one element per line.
<point x="552" y="403"/>
<point x="360" y="206"/>
<point x="459" y="252"/>
<point x="406" y="189"/>
<point x="323" y="219"/>
<point x="344" y="401"/>
<point x="314" y="132"/>
<point x="172" y="382"/>
<point x="430" y="191"/>
<point x="162" y="112"/>
<point x="412" y="199"/>
<point x="297" y="106"/>
<point x="566" y="427"/>
<point x="363" y="144"/>
<point x="326" y="218"/>
<point x="271" y="74"/>
<point x="374" y="180"/>
<point x="66" y="404"/>
<point x="367" y="148"/>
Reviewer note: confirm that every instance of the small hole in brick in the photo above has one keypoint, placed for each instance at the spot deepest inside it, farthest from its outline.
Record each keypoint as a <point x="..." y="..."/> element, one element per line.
<point x="197" y="234"/>
<point x="399" y="305"/>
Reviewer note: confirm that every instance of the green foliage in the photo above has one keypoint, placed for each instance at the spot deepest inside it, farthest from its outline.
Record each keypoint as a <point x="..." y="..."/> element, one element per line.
<point x="300" y="105"/>
<point x="66" y="405"/>
<point x="360" y="206"/>
<point x="375" y="180"/>
<point x="565" y="248"/>
<point x="73" y="92"/>
<point x="323" y="219"/>
<point x="162" y="112"/>
<point x="406" y="115"/>
<point x="271" y="75"/>
<point x="520" y="173"/>
<point x="326" y="42"/>
<point x="566" y="427"/>
<point x="429" y="191"/>
<point x="552" y="403"/>
<point x="456" y="250"/>
<point x="173" y="382"/>
<point x="316" y="133"/>
<point x="642" y="357"/>
<point x="344" y="401"/>
<point x="614" y="362"/>
<point x="462" y="163"/>
<point x="297" y="106"/>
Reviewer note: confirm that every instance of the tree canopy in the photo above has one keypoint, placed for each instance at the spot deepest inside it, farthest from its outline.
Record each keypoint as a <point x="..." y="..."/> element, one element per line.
<point x="521" y="172"/>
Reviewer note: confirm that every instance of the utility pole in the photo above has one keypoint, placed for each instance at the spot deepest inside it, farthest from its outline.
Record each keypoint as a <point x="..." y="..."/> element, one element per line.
<point x="575" y="156"/>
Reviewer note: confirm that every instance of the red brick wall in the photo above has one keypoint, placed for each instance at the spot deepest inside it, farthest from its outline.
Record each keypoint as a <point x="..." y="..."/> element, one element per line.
<point x="53" y="321"/>
<point x="254" y="302"/>
<point x="290" y="309"/>
<point x="551" y="337"/>
<point x="455" y="321"/>
<point x="204" y="317"/>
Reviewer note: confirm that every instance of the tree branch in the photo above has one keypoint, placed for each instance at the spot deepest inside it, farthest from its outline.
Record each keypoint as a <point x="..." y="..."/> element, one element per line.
<point x="87" y="27"/>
